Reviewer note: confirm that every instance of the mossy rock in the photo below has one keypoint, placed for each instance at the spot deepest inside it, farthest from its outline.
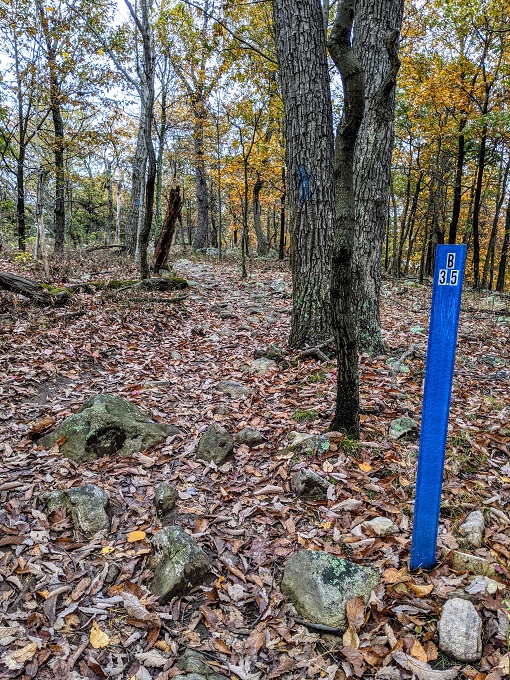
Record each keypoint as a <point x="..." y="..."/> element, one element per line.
<point x="106" y="425"/>
<point x="319" y="585"/>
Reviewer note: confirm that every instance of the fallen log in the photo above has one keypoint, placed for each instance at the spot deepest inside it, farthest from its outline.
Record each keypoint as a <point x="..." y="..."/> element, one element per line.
<point x="38" y="292"/>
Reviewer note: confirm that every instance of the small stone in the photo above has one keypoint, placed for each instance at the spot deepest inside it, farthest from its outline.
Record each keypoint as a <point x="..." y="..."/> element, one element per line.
<point x="196" y="667"/>
<point x="307" y="444"/>
<point x="249" y="436"/>
<point x="402" y="426"/>
<point x="473" y="564"/>
<point x="309" y="484"/>
<point x="261" y="366"/>
<point x="402" y="366"/>
<point x="319" y="585"/>
<point x="473" y="528"/>
<point x="87" y="506"/>
<point x="503" y="622"/>
<point x="381" y="526"/>
<point x="278" y="286"/>
<point x="180" y="563"/>
<point x="460" y="631"/>
<point x="165" y="498"/>
<point x="234" y="389"/>
<point x="215" y="445"/>
<point x="483" y="584"/>
<point x="175" y="355"/>
<point x="221" y="410"/>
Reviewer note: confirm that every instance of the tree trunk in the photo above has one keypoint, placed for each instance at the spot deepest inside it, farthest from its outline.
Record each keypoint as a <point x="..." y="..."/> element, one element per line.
<point x="457" y="189"/>
<point x="262" y="246"/>
<point x="55" y="96"/>
<point x="281" y="244"/>
<point x="488" y="266"/>
<point x="137" y="178"/>
<point x="308" y="128"/>
<point x="173" y="211"/>
<point x="475" y="226"/>
<point x="500" y="283"/>
<point x="203" y="218"/>
<point x="31" y="289"/>
<point x="109" y="209"/>
<point x="377" y="28"/>
<point x="343" y="306"/>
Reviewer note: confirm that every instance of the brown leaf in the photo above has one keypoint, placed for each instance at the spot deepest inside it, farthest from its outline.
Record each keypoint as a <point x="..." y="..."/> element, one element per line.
<point x="355" y="611"/>
<point x="255" y="642"/>
<point x="355" y="658"/>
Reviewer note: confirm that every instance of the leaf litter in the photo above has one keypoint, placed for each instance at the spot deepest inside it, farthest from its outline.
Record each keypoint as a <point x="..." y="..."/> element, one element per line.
<point x="75" y="607"/>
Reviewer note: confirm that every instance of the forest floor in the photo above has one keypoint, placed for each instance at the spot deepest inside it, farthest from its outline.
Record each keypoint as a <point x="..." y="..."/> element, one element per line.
<point x="55" y="584"/>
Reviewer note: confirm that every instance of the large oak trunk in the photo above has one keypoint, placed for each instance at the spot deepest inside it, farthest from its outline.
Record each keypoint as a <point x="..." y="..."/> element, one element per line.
<point x="308" y="127"/>
<point x="166" y="235"/>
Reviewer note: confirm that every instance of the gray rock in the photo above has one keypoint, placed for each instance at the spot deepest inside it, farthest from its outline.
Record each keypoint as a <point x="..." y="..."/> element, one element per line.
<point x="175" y="355"/>
<point x="86" y="504"/>
<point x="105" y="426"/>
<point x="402" y="426"/>
<point x="307" y="444"/>
<point x="180" y="563"/>
<point x="402" y="367"/>
<point x="381" y="526"/>
<point x="319" y="585"/>
<point x="216" y="444"/>
<point x="234" y="389"/>
<point x="460" y="630"/>
<point x="473" y="564"/>
<point x="261" y="366"/>
<point x="196" y="667"/>
<point x="277" y="286"/>
<point x="503" y="622"/>
<point x="473" y="528"/>
<point x="249" y="436"/>
<point x="309" y="484"/>
<point x="165" y="498"/>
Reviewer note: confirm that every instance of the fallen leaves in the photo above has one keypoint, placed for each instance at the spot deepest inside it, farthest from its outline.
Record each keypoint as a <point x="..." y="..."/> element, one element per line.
<point x="98" y="638"/>
<point x="242" y="512"/>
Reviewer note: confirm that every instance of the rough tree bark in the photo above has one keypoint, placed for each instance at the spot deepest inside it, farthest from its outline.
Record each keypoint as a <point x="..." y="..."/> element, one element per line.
<point x="346" y="418"/>
<point x="201" y="184"/>
<point x="262" y="245"/>
<point x="167" y="232"/>
<point x="308" y="127"/>
<point x="50" y="39"/>
<point x="377" y="29"/>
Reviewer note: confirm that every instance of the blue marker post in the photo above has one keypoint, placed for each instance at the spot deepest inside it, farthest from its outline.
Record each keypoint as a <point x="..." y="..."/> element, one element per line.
<point x="444" y="321"/>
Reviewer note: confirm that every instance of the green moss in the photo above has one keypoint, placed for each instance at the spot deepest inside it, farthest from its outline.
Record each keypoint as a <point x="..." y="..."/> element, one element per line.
<point x="304" y="416"/>
<point x="52" y="290"/>
<point x="317" y="376"/>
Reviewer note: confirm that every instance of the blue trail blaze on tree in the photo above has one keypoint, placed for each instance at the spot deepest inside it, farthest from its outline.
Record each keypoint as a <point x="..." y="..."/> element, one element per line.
<point x="444" y="320"/>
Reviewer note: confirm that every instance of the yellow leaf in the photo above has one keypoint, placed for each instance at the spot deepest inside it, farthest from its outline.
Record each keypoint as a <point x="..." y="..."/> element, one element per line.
<point x="107" y="550"/>
<point x="421" y="591"/>
<point x="136" y="536"/>
<point x="163" y="646"/>
<point x="25" y="653"/>
<point x="98" y="639"/>
<point x="418" y="652"/>
<point x="365" y="467"/>
<point x="350" y="637"/>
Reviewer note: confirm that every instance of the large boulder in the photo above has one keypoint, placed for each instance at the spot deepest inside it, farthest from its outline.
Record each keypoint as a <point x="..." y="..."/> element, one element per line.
<point x="460" y="630"/>
<point x="86" y="505"/>
<point x="215" y="445"/>
<point x="105" y="426"/>
<point x="319" y="585"/>
<point x="180" y="563"/>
